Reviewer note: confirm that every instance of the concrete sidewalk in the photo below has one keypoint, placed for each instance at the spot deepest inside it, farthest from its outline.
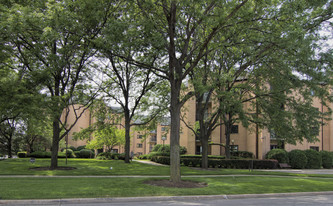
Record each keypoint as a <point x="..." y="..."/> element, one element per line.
<point x="154" y="198"/>
<point x="303" y="171"/>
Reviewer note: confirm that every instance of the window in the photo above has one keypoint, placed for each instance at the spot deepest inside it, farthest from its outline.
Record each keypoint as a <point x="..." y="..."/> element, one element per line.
<point x="274" y="146"/>
<point x="139" y="153"/>
<point x="272" y="135"/>
<point x="163" y="129"/>
<point x="114" y="151"/>
<point x="314" y="148"/>
<point x="314" y="131"/>
<point x="234" y="129"/>
<point x="233" y="148"/>
<point x="139" y="137"/>
<point x="139" y="145"/>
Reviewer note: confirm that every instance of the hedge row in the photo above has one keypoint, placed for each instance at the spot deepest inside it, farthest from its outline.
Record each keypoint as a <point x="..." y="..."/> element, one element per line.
<point x="84" y="153"/>
<point x="300" y="159"/>
<point x="110" y="156"/>
<point x="222" y="163"/>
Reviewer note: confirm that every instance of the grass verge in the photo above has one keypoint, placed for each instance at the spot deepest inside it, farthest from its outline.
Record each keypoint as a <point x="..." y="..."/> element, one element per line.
<point x="87" y="167"/>
<point x="62" y="187"/>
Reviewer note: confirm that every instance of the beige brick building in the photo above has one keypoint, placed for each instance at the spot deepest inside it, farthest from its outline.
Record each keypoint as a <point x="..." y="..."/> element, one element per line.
<point x="242" y="139"/>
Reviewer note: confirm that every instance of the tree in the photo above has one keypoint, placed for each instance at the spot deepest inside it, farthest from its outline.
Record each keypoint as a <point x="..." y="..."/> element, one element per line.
<point x="53" y="40"/>
<point x="183" y="31"/>
<point x="36" y="133"/>
<point x="187" y="31"/>
<point x="108" y="137"/>
<point x="125" y="83"/>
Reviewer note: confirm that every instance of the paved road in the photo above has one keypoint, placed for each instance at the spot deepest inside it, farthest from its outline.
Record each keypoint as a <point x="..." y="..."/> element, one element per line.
<point x="302" y="199"/>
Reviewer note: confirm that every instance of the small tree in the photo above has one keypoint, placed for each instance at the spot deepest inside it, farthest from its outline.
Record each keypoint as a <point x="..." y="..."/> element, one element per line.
<point x="108" y="137"/>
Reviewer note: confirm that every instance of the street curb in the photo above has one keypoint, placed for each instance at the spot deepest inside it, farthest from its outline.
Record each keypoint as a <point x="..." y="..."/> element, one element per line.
<point x="155" y="198"/>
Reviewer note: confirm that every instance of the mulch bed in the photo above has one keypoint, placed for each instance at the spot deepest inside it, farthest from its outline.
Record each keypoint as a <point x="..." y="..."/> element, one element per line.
<point x="48" y="168"/>
<point x="182" y="184"/>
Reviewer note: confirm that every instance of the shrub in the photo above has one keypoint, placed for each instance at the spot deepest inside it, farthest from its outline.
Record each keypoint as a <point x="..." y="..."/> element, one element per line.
<point x="162" y="160"/>
<point x="69" y="153"/>
<point x="242" y="154"/>
<point x="22" y="154"/>
<point x="120" y="156"/>
<point x="297" y="159"/>
<point x="40" y="154"/>
<point x="183" y="150"/>
<point x="144" y="157"/>
<point x="200" y="156"/>
<point x="105" y="155"/>
<point x="313" y="159"/>
<point x="327" y="159"/>
<point x="72" y="148"/>
<point x="280" y="155"/>
<point x="166" y="149"/>
<point x="157" y="147"/>
<point x="77" y="154"/>
<point x="79" y="148"/>
<point x="192" y="162"/>
<point x="86" y="153"/>
<point x="229" y="163"/>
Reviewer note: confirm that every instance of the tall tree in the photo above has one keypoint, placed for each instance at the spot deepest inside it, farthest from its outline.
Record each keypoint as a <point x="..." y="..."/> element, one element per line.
<point x="53" y="41"/>
<point x="186" y="31"/>
<point x="125" y="83"/>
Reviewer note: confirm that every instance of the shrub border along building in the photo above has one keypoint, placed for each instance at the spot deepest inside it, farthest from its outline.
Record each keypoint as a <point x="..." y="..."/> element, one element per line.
<point x="222" y="163"/>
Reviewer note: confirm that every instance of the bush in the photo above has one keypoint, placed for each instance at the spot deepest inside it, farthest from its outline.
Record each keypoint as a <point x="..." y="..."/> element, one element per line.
<point x="235" y="164"/>
<point x="105" y="155"/>
<point x="242" y="154"/>
<point x="69" y="153"/>
<point x="79" y="148"/>
<point x="72" y="148"/>
<point x="144" y="157"/>
<point x="326" y="159"/>
<point x="162" y="160"/>
<point x="166" y="149"/>
<point x="280" y="155"/>
<point x="77" y="154"/>
<point x="192" y="162"/>
<point x="86" y="153"/>
<point x="183" y="150"/>
<point x="21" y="154"/>
<point x="120" y="156"/>
<point x="313" y="159"/>
<point x="200" y="156"/>
<point x="157" y="147"/>
<point x="40" y="154"/>
<point x="297" y="159"/>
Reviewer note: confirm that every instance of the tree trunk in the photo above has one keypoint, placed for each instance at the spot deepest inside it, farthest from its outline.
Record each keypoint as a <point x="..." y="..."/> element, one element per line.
<point x="127" y="137"/>
<point x="227" y="139"/>
<point x="55" y="144"/>
<point x="204" y="145"/>
<point x="175" y="175"/>
<point x="9" y="148"/>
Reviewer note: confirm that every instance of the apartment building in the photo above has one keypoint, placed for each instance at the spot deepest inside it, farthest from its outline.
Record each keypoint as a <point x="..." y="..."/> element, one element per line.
<point x="259" y="142"/>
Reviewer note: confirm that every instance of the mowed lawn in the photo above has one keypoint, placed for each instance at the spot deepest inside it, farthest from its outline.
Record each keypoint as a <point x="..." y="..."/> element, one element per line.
<point x="52" y="185"/>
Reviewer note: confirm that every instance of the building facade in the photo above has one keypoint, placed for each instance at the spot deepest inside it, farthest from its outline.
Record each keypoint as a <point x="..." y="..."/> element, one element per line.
<point x="259" y="142"/>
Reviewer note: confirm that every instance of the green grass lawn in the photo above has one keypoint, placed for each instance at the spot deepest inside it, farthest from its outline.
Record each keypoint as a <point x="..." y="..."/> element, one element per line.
<point x="102" y="167"/>
<point x="83" y="187"/>
<point x="49" y="188"/>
